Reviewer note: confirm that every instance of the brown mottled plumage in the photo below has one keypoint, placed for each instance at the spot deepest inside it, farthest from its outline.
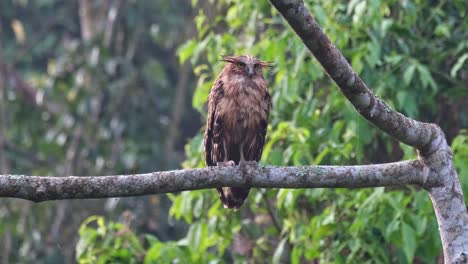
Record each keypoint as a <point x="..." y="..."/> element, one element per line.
<point x="238" y="109"/>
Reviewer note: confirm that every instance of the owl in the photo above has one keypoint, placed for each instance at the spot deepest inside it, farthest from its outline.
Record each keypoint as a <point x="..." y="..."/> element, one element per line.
<point x="238" y="109"/>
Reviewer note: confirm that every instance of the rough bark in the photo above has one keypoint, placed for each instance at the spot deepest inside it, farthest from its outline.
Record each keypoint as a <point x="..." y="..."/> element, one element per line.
<point x="445" y="190"/>
<point x="37" y="188"/>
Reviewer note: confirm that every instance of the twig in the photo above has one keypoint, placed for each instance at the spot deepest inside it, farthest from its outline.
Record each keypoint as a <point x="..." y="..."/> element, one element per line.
<point x="272" y="214"/>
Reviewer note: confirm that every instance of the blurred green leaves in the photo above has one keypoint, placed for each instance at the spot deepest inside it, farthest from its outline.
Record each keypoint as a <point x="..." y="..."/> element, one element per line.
<point x="107" y="242"/>
<point x="111" y="92"/>
<point x="402" y="54"/>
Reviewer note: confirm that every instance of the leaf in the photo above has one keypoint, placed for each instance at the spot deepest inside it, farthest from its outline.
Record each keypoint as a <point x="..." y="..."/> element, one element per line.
<point x="357" y="62"/>
<point x="359" y="12"/>
<point x="86" y="238"/>
<point x="408" y="75"/>
<point x="321" y="156"/>
<point x="279" y="251"/>
<point x="442" y="30"/>
<point x="186" y="50"/>
<point x="194" y="235"/>
<point x="200" y="23"/>
<point x="409" y="241"/>
<point x="200" y="95"/>
<point x="406" y="102"/>
<point x="102" y="230"/>
<point x="198" y="207"/>
<point x="280" y="197"/>
<point x="394" y="59"/>
<point x="299" y="61"/>
<point x="151" y="239"/>
<point x="153" y="253"/>
<point x="373" y="53"/>
<point x="426" y="77"/>
<point x="458" y="64"/>
<point x="391" y="231"/>
<point x="296" y="255"/>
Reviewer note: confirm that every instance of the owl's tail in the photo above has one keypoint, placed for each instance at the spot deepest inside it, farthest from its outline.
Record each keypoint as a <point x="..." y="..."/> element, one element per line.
<point x="232" y="197"/>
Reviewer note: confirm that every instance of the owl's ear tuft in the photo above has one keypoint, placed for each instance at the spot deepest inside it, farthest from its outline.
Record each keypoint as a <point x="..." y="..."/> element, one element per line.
<point x="267" y="64"/>
<point x="230" y="59"/>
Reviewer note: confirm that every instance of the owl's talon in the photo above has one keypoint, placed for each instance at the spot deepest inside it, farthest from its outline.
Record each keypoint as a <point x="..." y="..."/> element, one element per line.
<point x="225" y="164"/>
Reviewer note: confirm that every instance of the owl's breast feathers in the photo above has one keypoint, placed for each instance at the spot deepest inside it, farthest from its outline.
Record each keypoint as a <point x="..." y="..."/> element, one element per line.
<point x="244" y="108"/>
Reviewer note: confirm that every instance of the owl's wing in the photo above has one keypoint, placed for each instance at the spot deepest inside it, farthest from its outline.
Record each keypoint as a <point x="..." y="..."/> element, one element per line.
<point x="214" y="151"/>
<point x="257" y="147"/>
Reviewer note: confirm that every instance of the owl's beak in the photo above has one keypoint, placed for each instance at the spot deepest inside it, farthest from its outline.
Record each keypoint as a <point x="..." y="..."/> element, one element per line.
<point x="250" y="71"/>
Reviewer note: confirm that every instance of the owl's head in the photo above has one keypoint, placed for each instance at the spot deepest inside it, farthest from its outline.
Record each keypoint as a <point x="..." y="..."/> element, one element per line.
<point x="245" y="65"/>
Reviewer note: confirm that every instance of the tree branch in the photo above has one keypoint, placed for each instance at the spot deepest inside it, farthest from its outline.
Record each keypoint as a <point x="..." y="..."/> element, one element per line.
<point x="37" y="188"/>
<point x="417" y="134"/>
<point x="445" y="190"/>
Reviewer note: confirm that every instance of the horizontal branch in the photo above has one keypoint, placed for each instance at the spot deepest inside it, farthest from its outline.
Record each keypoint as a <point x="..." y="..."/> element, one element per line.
<point x="37" y="188"/>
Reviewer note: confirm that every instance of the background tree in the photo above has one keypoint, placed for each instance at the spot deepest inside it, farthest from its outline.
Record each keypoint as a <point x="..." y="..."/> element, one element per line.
<point x="385" y="41"/>
<point x="89" y="87"/>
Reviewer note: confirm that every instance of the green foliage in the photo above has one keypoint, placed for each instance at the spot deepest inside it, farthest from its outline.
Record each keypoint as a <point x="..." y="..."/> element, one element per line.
<point x="107" y="243"/>
<point x="87" y="107"/>
<point x="460" y="159"/>
<point x="111" y="242"/>
<point x="401" y="50"/>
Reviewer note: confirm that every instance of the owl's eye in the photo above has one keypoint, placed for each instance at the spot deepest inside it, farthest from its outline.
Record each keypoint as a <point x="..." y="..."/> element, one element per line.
<point x="241" y="64"/>
<point x="256" y="65"/>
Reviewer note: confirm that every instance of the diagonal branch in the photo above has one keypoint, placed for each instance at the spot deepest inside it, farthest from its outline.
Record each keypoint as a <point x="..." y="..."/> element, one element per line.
<point x="417" y="134"/>
<point x="434" y="152"/>
<point x="36" y="188"/>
